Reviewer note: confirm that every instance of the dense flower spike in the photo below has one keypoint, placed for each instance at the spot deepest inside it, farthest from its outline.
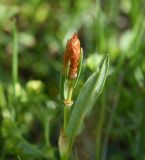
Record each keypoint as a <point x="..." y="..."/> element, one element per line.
<point x="72" y="56"/>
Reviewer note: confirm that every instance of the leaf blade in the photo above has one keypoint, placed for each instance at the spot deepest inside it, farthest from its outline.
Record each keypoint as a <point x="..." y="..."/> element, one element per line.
<point x="87" y="97"/>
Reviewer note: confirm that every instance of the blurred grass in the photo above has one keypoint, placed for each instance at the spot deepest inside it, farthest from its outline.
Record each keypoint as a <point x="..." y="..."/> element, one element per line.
<point x="115" y="128"/>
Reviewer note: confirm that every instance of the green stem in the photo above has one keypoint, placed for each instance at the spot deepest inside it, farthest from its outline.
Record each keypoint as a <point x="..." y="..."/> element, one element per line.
<point x="65" y="157"/>
<point x="66" y="117"/>
<point x="15" y="60"/>
<point x="70" y="91"/>
<point x="14" y="69"/>
<point x="64" y="146"/>
<point x="68" y="152"/>
<point x="67" y="107"/>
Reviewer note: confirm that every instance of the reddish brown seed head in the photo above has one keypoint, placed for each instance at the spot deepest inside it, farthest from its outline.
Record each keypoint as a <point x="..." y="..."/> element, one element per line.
<point x="72" y="55"/>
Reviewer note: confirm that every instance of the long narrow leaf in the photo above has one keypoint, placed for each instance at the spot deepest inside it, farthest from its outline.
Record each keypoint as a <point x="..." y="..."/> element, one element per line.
<point x="87" y="98"/>
<point x="15" y="59"/>
<point x="62" y="80"/>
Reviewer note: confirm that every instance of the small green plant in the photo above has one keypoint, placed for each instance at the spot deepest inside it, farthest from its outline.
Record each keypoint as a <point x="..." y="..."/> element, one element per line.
<point x="75" y="112"/>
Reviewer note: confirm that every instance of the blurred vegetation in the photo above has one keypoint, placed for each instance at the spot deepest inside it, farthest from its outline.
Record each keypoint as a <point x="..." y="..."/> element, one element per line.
<point x="30" y="108"/>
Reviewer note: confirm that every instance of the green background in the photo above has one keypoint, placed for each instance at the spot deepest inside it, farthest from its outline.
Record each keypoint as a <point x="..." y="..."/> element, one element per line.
<point x="30" y="117"/>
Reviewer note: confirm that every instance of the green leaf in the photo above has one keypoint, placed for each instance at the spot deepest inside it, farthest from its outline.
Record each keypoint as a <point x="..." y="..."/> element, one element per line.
<point x="62" y="80"/>
<point x="87" y="98"/>
<point x="15" y="59"/>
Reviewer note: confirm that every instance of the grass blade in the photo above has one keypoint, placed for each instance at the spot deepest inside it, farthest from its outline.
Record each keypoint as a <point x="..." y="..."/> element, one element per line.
<point x="15" y="60"/>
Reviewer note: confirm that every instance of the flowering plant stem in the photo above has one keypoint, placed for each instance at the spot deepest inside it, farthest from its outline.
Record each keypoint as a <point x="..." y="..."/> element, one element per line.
<point x="73" y="118"/>
<point x="66" y="117"/>
<point x="67" y="151"/>
<point x="69" y="77"/>
<point x="64" y="146"/>
<point x="67" y="105"/>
